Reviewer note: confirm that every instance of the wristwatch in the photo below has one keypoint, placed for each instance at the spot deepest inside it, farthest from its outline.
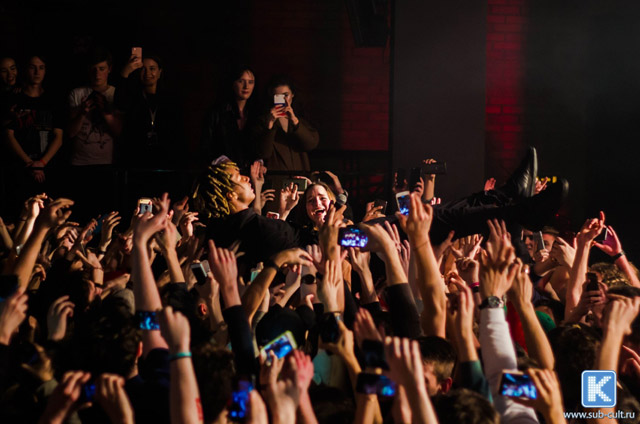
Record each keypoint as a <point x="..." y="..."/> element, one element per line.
<point x="491" y="302"/>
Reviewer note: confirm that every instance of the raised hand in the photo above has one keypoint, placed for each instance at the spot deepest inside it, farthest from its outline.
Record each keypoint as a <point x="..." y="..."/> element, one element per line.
<point x="611" y="245"/>
<point x="619" y="314"/>
<point x="490" y="184"/>
<point x="563" y="253"/>
<point x="364" y="327"/>
<point x="187" y="224"/>
<point x="112" y="397"/>
<point x="55" y="213"/>
<point x="328" y="235"/>
<point x="59" y="312"/>
<point x="591" y="229"/>
<point x="330" y="286"/>
<point x="147" y="225"/>
<point x="549" y="396"/>
<point x="495" y="262"/>
<point x="174" y="328"/>
<point x="287" y="200"/>
<point x="109" y="222"/>
<point x="418" y="223"/>
<point x="225" y="270"/>
<point x="293" y="256"/>
<point x="64" y="398"/>
<point x="168" y="237"/>
<point x="34" y="205"/>
<point x="13" y="310"/>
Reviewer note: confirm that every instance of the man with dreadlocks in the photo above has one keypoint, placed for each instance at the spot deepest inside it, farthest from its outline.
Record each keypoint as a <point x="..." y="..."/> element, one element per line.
<point x="224" y="196"/>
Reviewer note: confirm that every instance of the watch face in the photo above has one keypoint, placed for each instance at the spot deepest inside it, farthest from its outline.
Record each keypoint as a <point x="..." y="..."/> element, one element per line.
<point x="493" y="301"/>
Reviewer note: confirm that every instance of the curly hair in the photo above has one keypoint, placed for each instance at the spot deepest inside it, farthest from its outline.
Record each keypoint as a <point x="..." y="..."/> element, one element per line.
<point x="210" y="195"/>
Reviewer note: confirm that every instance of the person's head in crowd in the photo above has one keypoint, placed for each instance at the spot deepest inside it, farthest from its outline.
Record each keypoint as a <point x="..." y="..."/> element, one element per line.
<point x="99" y="63"/>
<point x="282" y="84"/>
<point x="8" y="72"/>
<point x="464" y="406"/>
<point x="223" y="191"/>
<point x="609" y="274"/>
<point x="35" y="70"/>
<point x="438" y="359"/>
<point x="549" y="235"/>
<point x="277" y="321"/>
<point x="243" y="82"/>
<point x="151" y="73"/>
<point x="317" y="199"/>
<point x="553" y="308"/>
<point x="214" y="369"/>
<point x="575" y="348"/>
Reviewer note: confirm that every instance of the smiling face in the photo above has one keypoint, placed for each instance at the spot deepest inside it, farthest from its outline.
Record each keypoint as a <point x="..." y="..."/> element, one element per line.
<point x="36" y="70"/>
<point x="8" y="71"/>
<point x="317" y="202"/>
<point x="243" y="86"/>
<point x="150" y="72"/>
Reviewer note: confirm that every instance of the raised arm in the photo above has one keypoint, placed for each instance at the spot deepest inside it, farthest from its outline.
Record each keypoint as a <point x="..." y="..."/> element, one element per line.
<point x="612" y="247"/>
<point x="430" y="282"/>
<point x="184" y="396"/>
<point x="145" y="291"/>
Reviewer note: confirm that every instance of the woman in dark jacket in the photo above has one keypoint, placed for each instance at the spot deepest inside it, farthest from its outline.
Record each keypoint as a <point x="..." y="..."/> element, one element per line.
<point x="283" y="137"/>
<point x="227" y="127"/>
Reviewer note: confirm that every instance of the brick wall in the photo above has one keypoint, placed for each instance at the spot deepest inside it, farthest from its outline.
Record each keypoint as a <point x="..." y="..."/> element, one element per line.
<point x="506" y="21"/>
<point x="345" y="89"/>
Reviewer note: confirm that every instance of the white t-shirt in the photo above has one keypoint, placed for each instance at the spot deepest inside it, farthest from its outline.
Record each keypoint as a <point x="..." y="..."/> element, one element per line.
<point x="93" y="145"/>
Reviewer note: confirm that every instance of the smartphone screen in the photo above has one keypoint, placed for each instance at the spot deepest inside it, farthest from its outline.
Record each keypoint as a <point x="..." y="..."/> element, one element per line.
<point x="352" y="237"/>
<point x="375" y="384"/>
<point x="148" y="320"/>
<point x="199" y="272"/>
<point x="404" y="200"/>
<point x="281" y="345"/>
<point x="517" y="385"/>
<point x="592" y="282"/>
<point x="238" y="405"/>
<point x="145" y="205"/>
<point x="278" y="100"/>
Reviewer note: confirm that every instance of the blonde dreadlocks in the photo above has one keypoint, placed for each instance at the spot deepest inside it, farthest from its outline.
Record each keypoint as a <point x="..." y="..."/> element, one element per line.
<point x="210" y="195"/>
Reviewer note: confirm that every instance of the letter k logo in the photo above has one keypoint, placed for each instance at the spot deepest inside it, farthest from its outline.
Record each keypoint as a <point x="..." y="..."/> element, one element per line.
<point x="598" y="389"/>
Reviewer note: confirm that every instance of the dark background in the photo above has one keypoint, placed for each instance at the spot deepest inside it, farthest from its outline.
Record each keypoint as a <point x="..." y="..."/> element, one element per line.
<point x="579" y="80"/>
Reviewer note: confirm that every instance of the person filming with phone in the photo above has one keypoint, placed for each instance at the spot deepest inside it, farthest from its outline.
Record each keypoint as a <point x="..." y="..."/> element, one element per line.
<point x="284" y="137"/>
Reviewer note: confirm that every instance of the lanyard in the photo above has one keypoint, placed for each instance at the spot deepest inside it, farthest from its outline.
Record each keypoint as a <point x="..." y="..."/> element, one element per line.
<point x="152" y="112"/>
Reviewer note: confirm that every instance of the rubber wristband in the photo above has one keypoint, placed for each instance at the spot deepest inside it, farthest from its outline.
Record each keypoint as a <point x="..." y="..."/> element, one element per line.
<point x="618" y="255"/>
<point x="44" y="162"/>
<point x="179" y="355"/>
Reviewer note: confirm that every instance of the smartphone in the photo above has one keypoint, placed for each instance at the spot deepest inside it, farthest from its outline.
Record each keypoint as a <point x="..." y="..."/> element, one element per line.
<point x="592" y="282"/>
<point x="98" y="228"/>
<point x="375" y="384"/>
<point x="300" y="182"/>
<point x="436" y="168"/>
<point x="88" y="392"/>
<point x="400" y="177"/>
<point x="517" y="385"/>
<point x="352" y="236"/>
<point x="145" y="205"/>
<point x="414" y="177"/>
<point x="373" y="354"/>
<point x="137" y="52"/>
<point x="602" y="237"/>
<point x="404" y="200"/>
<point x="148" y="320"/>
<point x="8" y="286"/>
<point x="329" y="328"/>
<point x="238" y="405"/>
<point x="281" y="346"/>
<point x="380" y="202"/>
<point x="273" y="215"/>
<point x="537" y="238"/>
<point x="278" y="100"/>
<point x="200" y="270"/>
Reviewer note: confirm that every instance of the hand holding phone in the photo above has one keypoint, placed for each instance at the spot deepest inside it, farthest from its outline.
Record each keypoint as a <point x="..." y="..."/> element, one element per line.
<point x="145" y="205"/>
<point x="281" y="346"/>
<point x="517" y="385"/>
<point x="352" y="236"/>
<point x="403" y="199"/>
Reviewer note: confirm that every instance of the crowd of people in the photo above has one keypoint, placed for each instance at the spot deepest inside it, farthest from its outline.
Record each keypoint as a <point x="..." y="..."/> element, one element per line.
<point x="127" y="119"/>
<point x="249" y="303"/>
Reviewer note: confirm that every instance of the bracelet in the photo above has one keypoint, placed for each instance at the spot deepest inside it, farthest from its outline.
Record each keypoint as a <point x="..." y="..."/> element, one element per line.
<point x="179" y="355"/>
<point x="421" y="245"/>
<point x="618" y="255"/>
<point x="43" y="162"/>
<point x="102" y="252"/>
<point x="270" y="264"/>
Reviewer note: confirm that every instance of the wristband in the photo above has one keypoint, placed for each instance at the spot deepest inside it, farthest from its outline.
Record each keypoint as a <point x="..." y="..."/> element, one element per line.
<point x="270" y="264"/>
<point x="102" y="252"/>
<point x="44" y="162"/>
<point x="179" y="355"/>
<point x="475" y="287"/>
<point x="618" y="255"/>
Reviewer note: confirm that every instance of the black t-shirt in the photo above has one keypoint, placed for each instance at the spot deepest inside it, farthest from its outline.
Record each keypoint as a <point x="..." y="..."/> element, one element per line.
<point x="33" y="120"/>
